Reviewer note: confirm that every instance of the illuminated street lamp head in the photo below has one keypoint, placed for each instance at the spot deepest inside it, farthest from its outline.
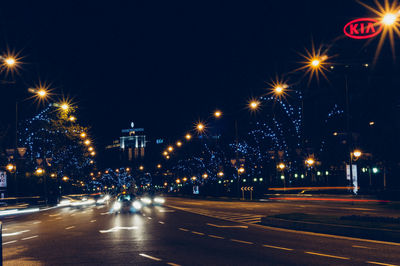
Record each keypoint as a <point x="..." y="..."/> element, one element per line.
<point x="41" y="93"/>
<point x="83" y="135"/>
<point x="310" y="161"/>
<point x="39" y="171"/>
<point x="241" y="170"/>
<point x="64" y="106"/>
<point x="93" y="153"/>
<point x="141" y="168"/>
<point x="165" y="153"/>
<point x="65" y="178"/>
<point x="10" y="61"/>
<point x="220" y="174"/>
<point x="315" y="62"/>
<point x="90" y="148"/>
<point x="72" y="118"/>
<point x="254" y="104"/>
<point x="10" y="167"/>
<point x="389" y="19"/>
<point x="178" y="143"/>
<point x="159" y="166"/>
<point x="200" y="127"/>
<point x="205" y="175"/>
<point x="188" y="136"/>
<point x="87" y="142"/>
<point x="178" y="181"/>
<point x="170" y="148"/>
<point x="357" y="153"/>
<point x="217" y="114"/>
<point x="281" y="166"/>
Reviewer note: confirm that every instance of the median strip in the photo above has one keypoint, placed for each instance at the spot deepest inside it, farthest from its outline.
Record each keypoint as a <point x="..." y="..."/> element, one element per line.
<point x="327" y="255"/>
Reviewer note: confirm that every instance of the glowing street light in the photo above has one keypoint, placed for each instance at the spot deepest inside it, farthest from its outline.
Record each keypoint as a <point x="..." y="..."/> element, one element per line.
<point x="254" y="104"/>
<point x="200" y="127"/>
<point x="10" y="61"/>
<point x="241" y="170"/>
<point x="170" y="148"/>
<point x="217" y="114"/>
<point x="39" y="171"/>
<point x="205" y="175"/>
<point x="281" y="166"/>
<point x="10" y="167"/>
<point x="389" y="19"/>
<point x="220" y="174"/>
<point x="141" y="168"/>
<point x="93" y="153"/>
<point x="357" y="153"/>
<point x="179" y="143"/>
<point x="159" y="166"/>
<point x="310" y="162"/>
<point x="90" y="148"/>
<point x="188" y="136"/>
<point x="83" y="135"/>
<point x="64" y="106"/>
<point x="165" y="153"/>
<point x="184" y="179"/>
<point x="65" y="178"/>
<point x="72" y="118"/>
<point x="87" y="142"/>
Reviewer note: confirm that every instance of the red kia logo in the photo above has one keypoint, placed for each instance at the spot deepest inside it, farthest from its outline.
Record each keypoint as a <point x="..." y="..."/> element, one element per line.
<point x="363" y="28"/>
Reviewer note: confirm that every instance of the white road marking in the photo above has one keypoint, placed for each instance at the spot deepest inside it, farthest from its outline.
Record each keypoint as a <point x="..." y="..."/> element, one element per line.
<point x="183" y="229"/>
<point x="326" y="255"/>
<point x="150" y="257"/>
<point x="9" y="242"/>
<point x="269" y="246"/>
<point x="15" y="233"/>
<point x="228" y="226"/>
<point x="166" y="210"/>
<point x="241" y="241"/>
<point x="198" y="233"/>
<point x="58" y="218"/>
<point x="53" y="215"/>
<point x="356" y="246"/>
<point x="161" y="222"/>
<point x="173" y="264"/>
<point x="92" y="221"/>
<point x="218" y="237"/>
<point x="69" y="227"/>
<point x="104" y="213"/>
<point x="37" y="222"/>
<point x="381" y="263"/>
<point x="149" y="218"/>
<point x="117" y="228"/>
<point x="26" y="238"/>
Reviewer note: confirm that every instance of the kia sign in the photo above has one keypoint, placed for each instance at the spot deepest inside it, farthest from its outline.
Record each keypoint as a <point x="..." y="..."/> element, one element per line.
<point x="363" y="28"/>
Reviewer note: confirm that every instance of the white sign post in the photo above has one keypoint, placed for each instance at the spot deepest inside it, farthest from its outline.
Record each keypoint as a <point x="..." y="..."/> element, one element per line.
<point x="3" y="179"/>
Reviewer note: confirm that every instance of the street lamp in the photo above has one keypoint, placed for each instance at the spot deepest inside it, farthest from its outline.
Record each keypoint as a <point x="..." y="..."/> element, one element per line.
<point x="281" y="166"/>
<point x="357" y="153"/>
<point x="200" y="127"/>
<point x="83" y="135"/>
<point x="11" y="167"/>
<point x="179" y="143"/>
<point x="254" y="104"/>
<point x="188" y="136"/>
<point x="170" y="148"/>
<point x="220" y="174"/>
<point x="87" y="142"/>
<point x="141" y="168"/>
<point x="310" y="162"/>
<point x="389" y="19"/>
<point x="217" y="114"/>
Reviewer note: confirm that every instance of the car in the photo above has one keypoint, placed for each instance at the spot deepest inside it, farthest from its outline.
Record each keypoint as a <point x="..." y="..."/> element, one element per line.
<point x="151" y="199"/>
<point x="126" y="203"/>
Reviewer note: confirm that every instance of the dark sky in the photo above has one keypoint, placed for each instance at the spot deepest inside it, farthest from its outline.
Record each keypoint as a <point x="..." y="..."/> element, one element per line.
<point x="163" y="64"/>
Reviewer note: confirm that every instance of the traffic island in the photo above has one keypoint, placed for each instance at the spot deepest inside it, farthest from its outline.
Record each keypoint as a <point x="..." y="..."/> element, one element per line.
<point x="368" y="227"/>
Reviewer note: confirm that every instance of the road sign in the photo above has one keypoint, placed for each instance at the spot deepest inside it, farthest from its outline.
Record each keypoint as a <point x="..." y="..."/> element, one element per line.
<point x="3" y="179"/>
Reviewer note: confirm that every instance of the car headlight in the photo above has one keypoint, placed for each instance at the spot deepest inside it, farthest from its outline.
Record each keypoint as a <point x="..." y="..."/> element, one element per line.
<point x="136" y="204"/>
<point x="146" y="200"/>
<point x="117" y="206"/>
<point x="159" y="200"/>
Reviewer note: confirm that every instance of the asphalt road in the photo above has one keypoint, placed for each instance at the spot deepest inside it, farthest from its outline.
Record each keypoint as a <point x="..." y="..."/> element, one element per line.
<point x="180" y="233"/>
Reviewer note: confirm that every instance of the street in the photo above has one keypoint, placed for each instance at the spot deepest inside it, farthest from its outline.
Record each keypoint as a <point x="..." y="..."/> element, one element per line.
<point x="180" y="233"/>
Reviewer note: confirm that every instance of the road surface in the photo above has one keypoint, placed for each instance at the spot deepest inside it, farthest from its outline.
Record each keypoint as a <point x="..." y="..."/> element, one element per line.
<point x="180" y="233"/>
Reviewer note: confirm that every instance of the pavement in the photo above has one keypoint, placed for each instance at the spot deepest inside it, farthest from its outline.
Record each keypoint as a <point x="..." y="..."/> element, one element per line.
<point x="186" y="232"/>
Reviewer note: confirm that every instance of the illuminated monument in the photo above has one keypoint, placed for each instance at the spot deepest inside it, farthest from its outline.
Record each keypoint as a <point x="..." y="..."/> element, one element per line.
<point x="131" y="144"/>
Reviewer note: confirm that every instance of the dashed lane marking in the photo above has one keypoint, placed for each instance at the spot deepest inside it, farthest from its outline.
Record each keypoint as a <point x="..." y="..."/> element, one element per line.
<point x="183" y="229"/>
<point x="30" y="237"/>
<point x="381" y="263"/>
<point x="161" y="222"/>
<point x="92" y="221"/>
<point x="276" y="247"/>
<point x="37" y="222"/>
<point x="327" y="255"/>
<point x="149" y="218"/>
<point x="69" y="227"/>
<point x="228" y="226"/>
<point x="150" y="257"/>
<point x="198" y="233"/>
<point x="9" y="242"/>
<point x="218" y="237"/>
<point x="356" y="246"/>
<point x="241" y="241"/>
<point x="173" y="264"/>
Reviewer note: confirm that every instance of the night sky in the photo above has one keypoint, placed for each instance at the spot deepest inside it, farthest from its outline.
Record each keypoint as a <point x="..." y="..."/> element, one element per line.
<point x="161" y="64"/>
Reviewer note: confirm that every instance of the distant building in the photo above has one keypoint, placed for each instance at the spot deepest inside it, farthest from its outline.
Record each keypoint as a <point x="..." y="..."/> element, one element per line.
<point x="131" y="145"/>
